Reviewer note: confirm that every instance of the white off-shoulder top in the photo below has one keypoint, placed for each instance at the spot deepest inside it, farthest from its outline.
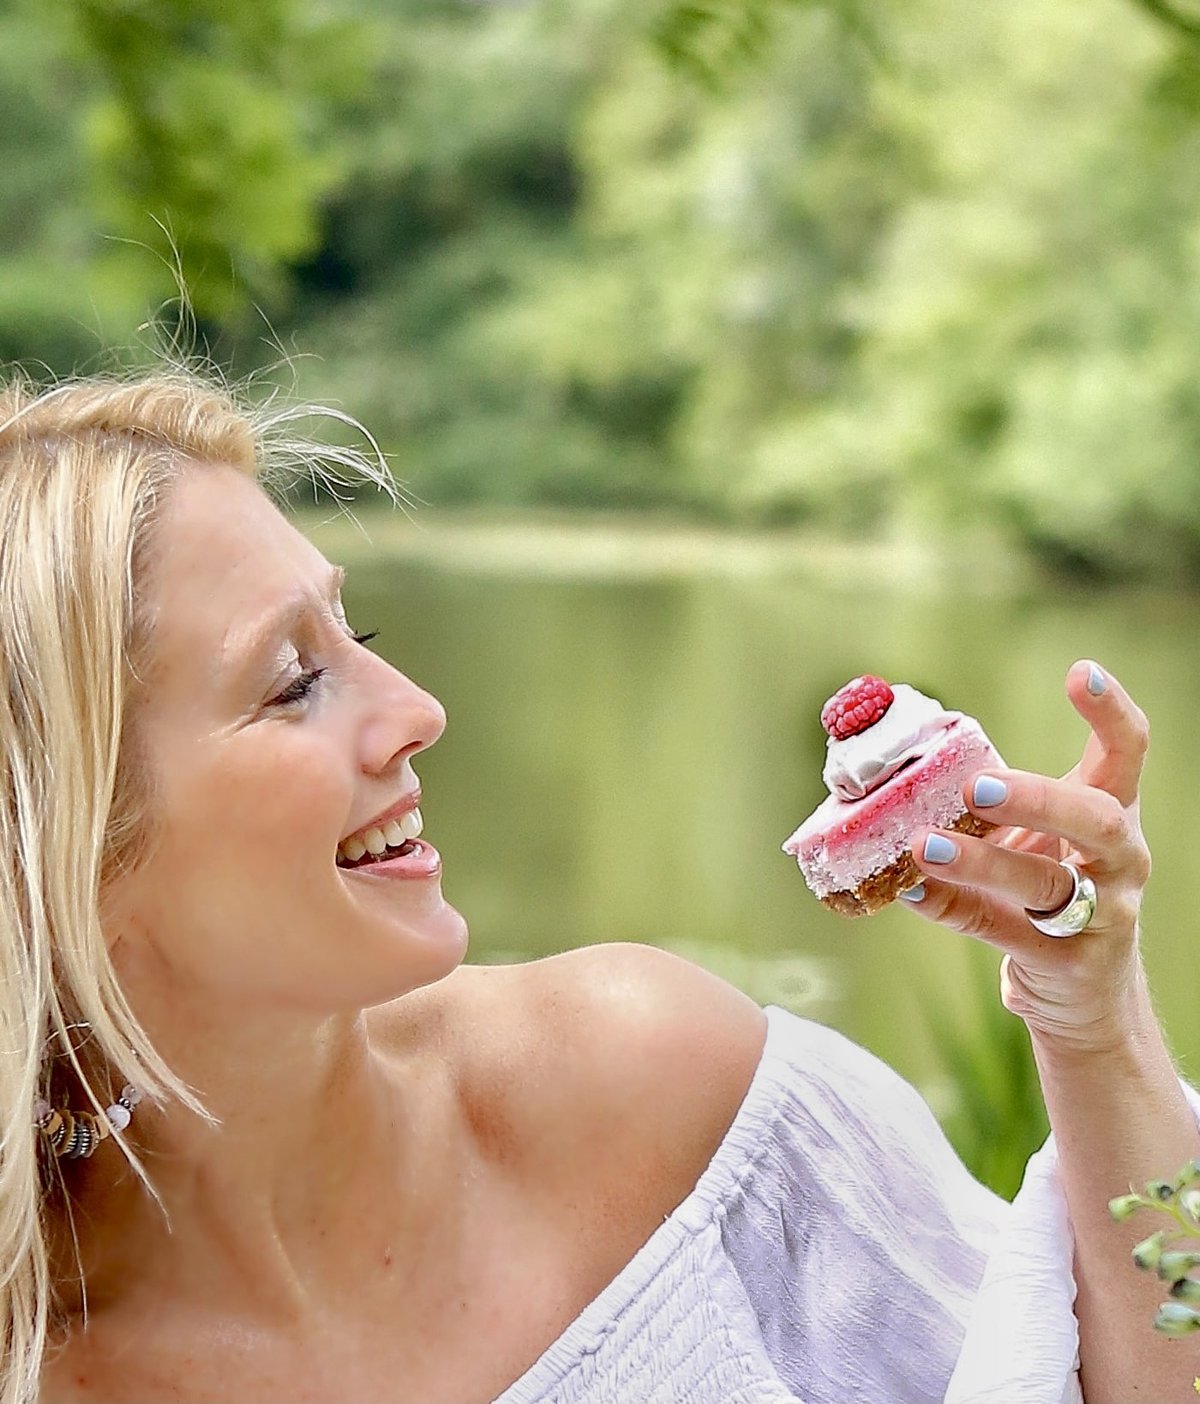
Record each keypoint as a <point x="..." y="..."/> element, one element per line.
<point x="834" y="1251"/>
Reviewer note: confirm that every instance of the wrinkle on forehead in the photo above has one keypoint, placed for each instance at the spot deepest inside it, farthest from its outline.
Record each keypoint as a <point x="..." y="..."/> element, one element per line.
<point x="239" y="644"/>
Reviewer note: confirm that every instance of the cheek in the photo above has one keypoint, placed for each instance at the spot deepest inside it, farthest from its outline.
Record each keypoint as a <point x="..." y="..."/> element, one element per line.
<point x="263" y="803"/>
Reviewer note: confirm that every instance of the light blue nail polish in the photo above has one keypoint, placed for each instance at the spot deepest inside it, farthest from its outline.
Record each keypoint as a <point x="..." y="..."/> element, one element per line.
<point x="914" y="894"/>
<point x="988" y="790"/>
<point x="1097" y="682"/>
<point x="940" y="850"/>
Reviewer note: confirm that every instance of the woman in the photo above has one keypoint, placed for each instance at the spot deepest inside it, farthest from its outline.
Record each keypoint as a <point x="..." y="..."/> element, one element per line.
<point x="265" y="1136"/>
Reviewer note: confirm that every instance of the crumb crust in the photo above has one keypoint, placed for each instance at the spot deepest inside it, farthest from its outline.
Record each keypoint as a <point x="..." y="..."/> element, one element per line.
<point x="873" y="894"/>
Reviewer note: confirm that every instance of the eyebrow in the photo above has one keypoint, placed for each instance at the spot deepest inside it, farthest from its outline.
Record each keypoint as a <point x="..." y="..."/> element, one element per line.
<point x="250" y="646"/>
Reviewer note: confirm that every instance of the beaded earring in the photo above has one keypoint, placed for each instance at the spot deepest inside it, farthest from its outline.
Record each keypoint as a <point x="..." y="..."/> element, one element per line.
<point x="73" y="1135"/>
<point x="76" y="1134"/>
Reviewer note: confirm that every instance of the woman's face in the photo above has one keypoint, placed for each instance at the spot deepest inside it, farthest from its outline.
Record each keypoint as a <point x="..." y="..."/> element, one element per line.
<point x="244" y="898"/>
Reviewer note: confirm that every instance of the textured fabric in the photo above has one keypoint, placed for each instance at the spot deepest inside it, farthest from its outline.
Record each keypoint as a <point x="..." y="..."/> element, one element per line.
<point x="1022" y="1326"/>
<point x="832" y="1251"/>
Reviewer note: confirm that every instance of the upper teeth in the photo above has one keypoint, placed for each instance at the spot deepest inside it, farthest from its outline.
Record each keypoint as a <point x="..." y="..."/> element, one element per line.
<point x="376" y="841"/>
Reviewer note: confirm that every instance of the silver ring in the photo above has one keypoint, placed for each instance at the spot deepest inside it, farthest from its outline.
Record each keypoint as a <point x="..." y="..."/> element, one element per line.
<point x="1075" y="914"/>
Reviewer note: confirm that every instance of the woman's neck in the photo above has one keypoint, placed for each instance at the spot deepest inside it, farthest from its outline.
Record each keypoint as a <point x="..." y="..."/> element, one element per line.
<point x="333" y="1150"/>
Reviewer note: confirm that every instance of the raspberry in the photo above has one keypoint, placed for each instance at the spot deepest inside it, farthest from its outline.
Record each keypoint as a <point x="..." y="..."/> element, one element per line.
<point x="856" y="706"/>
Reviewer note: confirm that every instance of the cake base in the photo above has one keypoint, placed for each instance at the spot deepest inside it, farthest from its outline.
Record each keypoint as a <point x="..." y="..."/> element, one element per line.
<point x="886" y="885"/>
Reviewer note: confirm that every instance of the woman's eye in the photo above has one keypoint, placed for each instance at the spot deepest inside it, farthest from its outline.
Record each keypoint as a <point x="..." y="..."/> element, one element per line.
<point x="298" y="689"/>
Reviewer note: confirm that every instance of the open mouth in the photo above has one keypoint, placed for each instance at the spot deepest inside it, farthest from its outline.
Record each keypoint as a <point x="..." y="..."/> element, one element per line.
<point x="394" y="839"/>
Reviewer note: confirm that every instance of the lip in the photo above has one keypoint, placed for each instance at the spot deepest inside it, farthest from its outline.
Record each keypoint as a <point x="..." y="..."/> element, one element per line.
<point x="402" y="806"/>
<point x="423" y="862"/>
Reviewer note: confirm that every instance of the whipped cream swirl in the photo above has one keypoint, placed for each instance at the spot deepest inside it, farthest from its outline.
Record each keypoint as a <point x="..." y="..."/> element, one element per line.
<point x="859" y="764"/>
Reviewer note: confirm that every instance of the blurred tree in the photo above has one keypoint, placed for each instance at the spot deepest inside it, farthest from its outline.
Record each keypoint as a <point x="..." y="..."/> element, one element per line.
<point x="1026" y="330"/>
<point x="716" y="40"/>
<point x="1032" y="326"/>
<point x="43" y="212"/>
<point x="560" y="272"/>
<point x="1174" y="15"/>
<point x="215" y="122"/>
<point x="915" y="270"/>
<point x="194" y="130"/>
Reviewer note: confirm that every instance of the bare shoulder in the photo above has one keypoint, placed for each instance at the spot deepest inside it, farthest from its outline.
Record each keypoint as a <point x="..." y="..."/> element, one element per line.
<point x="643" y="1020"/>
<point x="626" y="1061"/>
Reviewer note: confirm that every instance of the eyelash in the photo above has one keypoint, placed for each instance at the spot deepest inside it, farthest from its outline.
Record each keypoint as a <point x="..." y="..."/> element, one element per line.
<point x="299" y="688"/>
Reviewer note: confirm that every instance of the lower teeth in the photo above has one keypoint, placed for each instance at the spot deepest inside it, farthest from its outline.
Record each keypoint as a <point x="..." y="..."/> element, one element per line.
<point x="407" y="847"/>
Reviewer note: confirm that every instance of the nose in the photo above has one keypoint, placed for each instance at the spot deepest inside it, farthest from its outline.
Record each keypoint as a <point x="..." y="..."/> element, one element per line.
<point x="400" y="719"/>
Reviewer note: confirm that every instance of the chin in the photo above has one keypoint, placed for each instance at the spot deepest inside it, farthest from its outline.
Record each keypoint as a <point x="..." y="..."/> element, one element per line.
<point x="448" y="932"/>
<point x="430" y="947"/>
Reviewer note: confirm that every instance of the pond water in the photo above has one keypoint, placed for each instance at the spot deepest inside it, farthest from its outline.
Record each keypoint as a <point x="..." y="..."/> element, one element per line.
<point x="625" y="754"/>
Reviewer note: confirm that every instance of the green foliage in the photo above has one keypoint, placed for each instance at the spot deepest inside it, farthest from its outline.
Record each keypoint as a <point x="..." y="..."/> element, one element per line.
<point x="1165" y="1252"/>
<point x="44" y="206"/>
<point x="209" y="135"/>
<point x="898" y="271"/>
<point x="717" y="40"/>
<point x="1172" y="15"/>
<point x="997" y="1118"/>
<point x="151" y="144"/>
<point x="597" y="288"/>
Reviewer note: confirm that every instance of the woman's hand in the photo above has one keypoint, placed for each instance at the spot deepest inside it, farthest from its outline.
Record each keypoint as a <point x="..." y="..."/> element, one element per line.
<point x="1083" y="991"/>
<point x="1115" y="1104"/>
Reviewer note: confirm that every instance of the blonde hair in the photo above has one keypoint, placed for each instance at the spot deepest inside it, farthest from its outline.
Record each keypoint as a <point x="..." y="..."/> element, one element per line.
<point x="84" y="470"/>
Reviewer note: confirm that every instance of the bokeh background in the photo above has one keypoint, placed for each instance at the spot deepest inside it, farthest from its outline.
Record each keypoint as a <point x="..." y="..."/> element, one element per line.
<point x="727" y="350"/>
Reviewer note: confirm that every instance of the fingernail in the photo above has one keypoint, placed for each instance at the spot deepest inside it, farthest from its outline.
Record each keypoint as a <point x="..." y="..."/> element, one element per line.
<point x="988" y="790"/>
<point x="1097" y="682"/>
<point x="940" y="850"/>
<point x="914" y="894"/>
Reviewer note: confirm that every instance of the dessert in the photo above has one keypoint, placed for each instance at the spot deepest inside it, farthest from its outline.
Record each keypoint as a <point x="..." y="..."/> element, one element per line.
<point x="897" y="762"/>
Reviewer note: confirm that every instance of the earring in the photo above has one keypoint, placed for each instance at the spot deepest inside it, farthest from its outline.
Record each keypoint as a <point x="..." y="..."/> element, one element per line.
<point x="73" y="1135"/>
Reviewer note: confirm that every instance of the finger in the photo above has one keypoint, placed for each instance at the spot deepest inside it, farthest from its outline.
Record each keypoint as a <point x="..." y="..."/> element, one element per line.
<point x="1091" y="820"/>
<point x="974" y="912"/>
<point x="1022" y="840"/>
<point x="1025" y="880"/>
<point x="1116" y="749"/>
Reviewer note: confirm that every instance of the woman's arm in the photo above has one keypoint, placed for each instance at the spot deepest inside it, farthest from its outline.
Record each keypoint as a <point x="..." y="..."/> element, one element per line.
<point x="1119" y="1119"/>
<point x="1118" y="1114"/>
